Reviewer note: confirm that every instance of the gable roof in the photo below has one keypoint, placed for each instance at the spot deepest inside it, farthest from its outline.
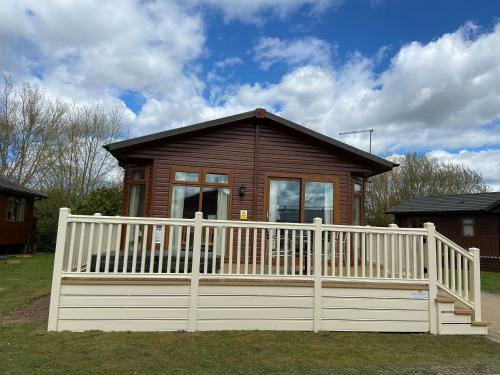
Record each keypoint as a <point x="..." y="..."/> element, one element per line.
<point x="13" y="187"/>
<point x="473" y="203"/>
<point x="257" y="113"/>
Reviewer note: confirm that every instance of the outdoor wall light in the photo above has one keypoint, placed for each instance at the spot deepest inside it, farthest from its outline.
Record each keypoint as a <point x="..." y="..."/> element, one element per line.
<point x="242" y="191"/>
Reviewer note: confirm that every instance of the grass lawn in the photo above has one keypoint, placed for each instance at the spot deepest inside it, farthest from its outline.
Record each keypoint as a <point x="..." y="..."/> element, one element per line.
<point x="490" y="282"/>
<point x="26" y="347"/>
<point x="23" y="279"/>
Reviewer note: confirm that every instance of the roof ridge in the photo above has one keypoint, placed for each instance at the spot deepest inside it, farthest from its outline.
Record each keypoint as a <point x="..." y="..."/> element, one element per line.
<point x="446" y="203"/>
<point x="257" y="113"/>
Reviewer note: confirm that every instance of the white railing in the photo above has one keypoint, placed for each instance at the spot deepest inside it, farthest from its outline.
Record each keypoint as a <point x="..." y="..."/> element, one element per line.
<point x="374" y="252"/>
<point x="458" y="272"/>
<point x="104" y="246"/>
<point x="129" y="245"/>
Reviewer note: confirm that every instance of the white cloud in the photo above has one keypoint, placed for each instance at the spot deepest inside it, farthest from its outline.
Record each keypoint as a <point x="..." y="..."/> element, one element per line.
<point x="254" y="11"/>
<point x="444" y="94"/>
<point x="308" y="50"/>
<point x="93" y="50"/>
<point x="486" y="162"/>
<point x="230" y="61"/>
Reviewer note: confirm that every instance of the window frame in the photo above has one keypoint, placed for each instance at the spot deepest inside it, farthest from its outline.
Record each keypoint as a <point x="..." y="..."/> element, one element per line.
<point x="303" y="178"/>
<point x="18" y="204"/>
<point x="143" y="181"/>
<point x="202" y="171"/>
<point x="361" y="196"/>
<point x="473" y="224"/>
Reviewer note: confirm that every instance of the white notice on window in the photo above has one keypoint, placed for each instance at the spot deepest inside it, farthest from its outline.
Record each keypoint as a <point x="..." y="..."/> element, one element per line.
<point x="158" y="235"/>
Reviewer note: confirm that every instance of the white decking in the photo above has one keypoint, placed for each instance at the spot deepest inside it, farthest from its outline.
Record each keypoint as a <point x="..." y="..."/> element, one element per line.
<point x="144" y="274"/>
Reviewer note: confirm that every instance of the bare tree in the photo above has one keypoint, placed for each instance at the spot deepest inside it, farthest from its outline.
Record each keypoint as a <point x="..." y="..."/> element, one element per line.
<point x="28" y="125"/>
<point x="418" y="176"/>
<point x="79" y="163"/>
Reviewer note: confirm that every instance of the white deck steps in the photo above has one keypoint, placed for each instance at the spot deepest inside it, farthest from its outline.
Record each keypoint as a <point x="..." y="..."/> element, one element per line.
<point x="456" y="319"/>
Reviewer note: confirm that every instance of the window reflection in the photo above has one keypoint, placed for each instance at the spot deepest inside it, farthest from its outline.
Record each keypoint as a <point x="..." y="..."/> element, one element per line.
<point x="185" y="202"/>
<point x="215" y="178"/>
<point x="284" y="201"/>
<point x="186" y="176"/>
<point x="318" y="201"/>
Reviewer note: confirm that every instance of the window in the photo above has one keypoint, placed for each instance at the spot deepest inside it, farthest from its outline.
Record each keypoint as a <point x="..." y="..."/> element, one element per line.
<point x="15" y="209"/>
<point x="357" y="201"/>
<point x="318" y="201"/>
<point x="186" y="176"/>
<point x="358" y="187"/>
<point x="202" y="190"/>
<point x="301" y="199"/>
<point x="137" y="194"/>
<point x="217" y="178"/>
<point x="356" y="210"/>
<point x="468" y="227"/>
<point x="412" y="222"/>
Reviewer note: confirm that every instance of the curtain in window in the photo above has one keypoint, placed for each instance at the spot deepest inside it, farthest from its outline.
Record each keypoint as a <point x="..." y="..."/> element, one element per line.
<point x="273" y="201"/>
<point x="328" y="203"/>
<point x="136" y="201"/>
<point x="178" y="197"/>
<point x="222" y="203"/>
<point x="22" y="205"/>
<point x="222" y="214"/>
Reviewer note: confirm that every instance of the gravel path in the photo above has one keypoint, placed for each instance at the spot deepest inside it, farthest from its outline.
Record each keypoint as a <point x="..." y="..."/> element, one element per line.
<point x="490" y="304"/>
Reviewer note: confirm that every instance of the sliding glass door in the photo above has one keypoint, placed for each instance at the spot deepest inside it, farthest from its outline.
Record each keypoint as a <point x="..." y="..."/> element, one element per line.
<point x="318" y="201"/>
<point x="301" y="199"/>
<point x="284" y="201"/>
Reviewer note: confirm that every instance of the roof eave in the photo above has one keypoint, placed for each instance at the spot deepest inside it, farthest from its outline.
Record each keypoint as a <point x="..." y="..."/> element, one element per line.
<point x="24" y="193"/>
<point x="258" y="113"/>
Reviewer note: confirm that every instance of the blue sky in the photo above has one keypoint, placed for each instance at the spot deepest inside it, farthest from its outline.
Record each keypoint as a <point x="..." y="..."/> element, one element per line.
<point x="424" y="74"/>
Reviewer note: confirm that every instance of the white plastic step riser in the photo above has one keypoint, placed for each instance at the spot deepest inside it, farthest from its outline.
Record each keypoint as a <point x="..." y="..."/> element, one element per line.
<point x="447" y="306"/>
<point x="462" y="329"/>
<point x="454" y="318"/>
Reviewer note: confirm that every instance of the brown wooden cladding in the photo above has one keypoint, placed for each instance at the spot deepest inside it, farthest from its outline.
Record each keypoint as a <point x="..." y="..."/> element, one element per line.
<point x="13" y="232"/>
<point x="486" y="230"/>
<point x="251" y="150"/>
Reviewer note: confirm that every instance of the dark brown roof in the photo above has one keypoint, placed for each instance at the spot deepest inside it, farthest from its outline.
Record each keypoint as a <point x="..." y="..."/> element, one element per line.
<point x="472" y="203"/>
<point x="258" y="113"/>
<point x="13" y="187"/>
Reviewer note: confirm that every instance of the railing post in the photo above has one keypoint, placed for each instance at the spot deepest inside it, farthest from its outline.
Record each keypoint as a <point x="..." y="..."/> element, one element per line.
<point x="476" y="282"/>
<point x="57" y="270"/>
<point x="432" y="274"/>
<point x="318" y="231"/>
<point x="195" y="272"/>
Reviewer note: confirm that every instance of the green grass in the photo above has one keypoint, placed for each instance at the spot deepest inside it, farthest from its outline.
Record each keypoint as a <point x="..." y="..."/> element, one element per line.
<point x="23" y="279"/>
<point x="26" y="347"/>
<point x="490" y="282"/>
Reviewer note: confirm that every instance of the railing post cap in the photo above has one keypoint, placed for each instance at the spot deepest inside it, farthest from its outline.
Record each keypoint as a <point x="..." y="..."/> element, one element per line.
<point x="318" y="220"/>
<point x="474" y="250"/>
<point x="198" y="214"/>
<point x="428" y="224"/>
<point x="65" y="209"/>
<point x="97" y="214"/>
<point x="393" y="226"/>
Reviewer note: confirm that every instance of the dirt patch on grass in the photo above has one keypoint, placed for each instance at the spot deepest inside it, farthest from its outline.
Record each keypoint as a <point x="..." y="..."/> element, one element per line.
<point x="37" y="311"/>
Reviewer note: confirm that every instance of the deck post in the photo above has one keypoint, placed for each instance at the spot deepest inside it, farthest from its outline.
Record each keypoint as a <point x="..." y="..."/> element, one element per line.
<point x="432" y="272"/>
<point x="475" y="271"/>
<point x="195" y="272"/>
<point x="318" y="231"/>
<point x="57" y="271"/>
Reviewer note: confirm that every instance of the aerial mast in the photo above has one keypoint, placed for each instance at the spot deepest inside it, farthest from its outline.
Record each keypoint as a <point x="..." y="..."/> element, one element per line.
<point x="371" y="131"/>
